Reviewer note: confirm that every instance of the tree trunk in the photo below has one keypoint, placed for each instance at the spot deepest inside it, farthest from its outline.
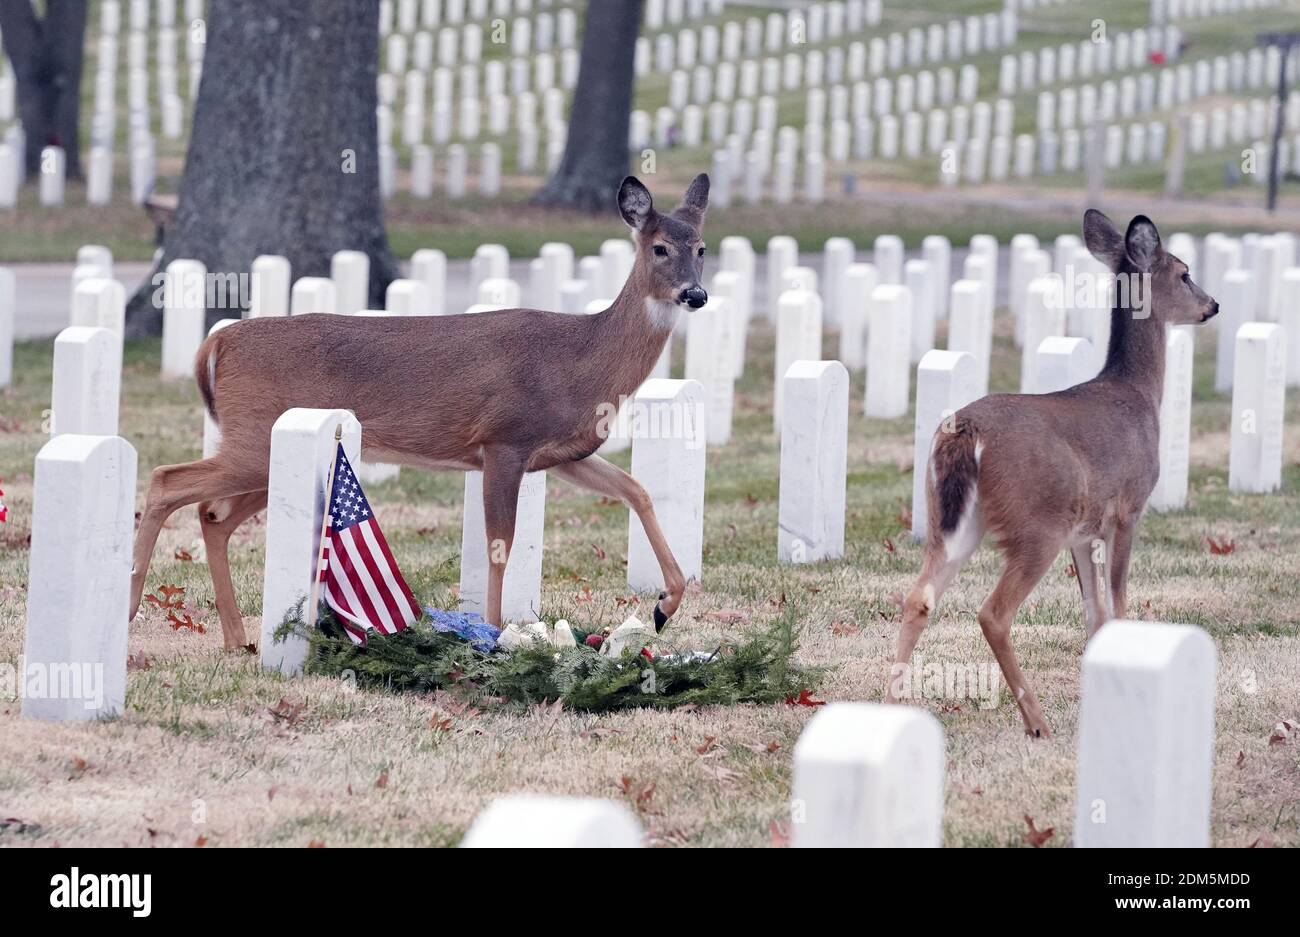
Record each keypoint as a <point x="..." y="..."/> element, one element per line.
<point x="596" y="152"/>
<point x="46" y="56"/>
<point x="284" y="154"/>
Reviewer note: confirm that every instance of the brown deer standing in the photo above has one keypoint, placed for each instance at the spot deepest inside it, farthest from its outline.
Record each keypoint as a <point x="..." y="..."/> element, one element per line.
<point x="1071" y="469"/>
<point x="505" y="392"/>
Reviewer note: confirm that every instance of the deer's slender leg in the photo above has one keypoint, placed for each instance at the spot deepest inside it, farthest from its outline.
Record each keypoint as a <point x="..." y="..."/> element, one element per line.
<point x="172" y="487"/>
<point x="218" y="520"/>
<point x="1023" y="570"/>
<point x="503" y="470"/>
<point x="1121" y="550"/>
<point x="1090" y="586"/>
<point x="944" y="558"/>
<point x="596" y="474"/>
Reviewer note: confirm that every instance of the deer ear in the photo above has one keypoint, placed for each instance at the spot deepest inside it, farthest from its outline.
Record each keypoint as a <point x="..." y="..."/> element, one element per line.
<point x="635" y="203"/>
<point x="1103" y="238"/>
<point x="1142" y="242"/>
<point x="695" y="202"/>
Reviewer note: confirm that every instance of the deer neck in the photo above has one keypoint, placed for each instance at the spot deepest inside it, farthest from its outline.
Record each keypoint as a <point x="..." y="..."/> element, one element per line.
<point x="1136" y="354"/>
<point x="634" y="329"/>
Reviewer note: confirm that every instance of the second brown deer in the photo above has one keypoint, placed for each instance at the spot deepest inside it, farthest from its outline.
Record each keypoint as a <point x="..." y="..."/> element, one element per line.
<point x="1068" y="470"/>
<point x="505" y="392"/>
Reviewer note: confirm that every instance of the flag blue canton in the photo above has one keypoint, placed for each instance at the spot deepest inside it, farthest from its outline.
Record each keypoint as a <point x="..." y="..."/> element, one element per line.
<point x="348" y="505"/>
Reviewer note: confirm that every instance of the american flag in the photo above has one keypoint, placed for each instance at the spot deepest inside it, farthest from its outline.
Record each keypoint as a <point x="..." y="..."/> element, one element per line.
<point x="362" y="582"/>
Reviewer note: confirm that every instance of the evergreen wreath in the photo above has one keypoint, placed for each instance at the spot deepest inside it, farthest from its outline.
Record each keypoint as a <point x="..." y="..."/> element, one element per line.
<point x="423" y="658"/>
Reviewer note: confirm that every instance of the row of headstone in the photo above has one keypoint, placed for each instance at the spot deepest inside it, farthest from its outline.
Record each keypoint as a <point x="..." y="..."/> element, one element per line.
<point x="408" y="16"/>
<point x="456" y="180"/>
<point x="452" y="45"/>
<point x="1162" y="91"/>
<point x="1123" y="51"/>
<point x="968" y="150"/>
<point x="881" y="51"/>
<point x="744" y="90"/>
<point x="466" y="106"/>
<point x="1188" y="9"/>
<point x="1059" y="146"/>
<point x="804" y="31"/>
<point x="869" y="775"/>
<point x="688" y="125"/>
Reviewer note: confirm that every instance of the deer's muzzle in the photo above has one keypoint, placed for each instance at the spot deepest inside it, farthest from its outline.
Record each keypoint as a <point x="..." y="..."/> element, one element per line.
<point x="695" y="297"/>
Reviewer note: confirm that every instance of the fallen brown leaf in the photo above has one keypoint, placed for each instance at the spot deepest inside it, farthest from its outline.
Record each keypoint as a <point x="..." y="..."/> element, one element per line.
<point x="286" y="711"/>
<point x="1282" y="732"/>
<point x="726" y="616"/>
<point x="1036" y="837"/>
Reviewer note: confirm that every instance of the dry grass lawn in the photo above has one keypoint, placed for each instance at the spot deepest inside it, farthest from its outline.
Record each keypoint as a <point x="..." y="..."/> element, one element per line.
<point x="199" y="757"/>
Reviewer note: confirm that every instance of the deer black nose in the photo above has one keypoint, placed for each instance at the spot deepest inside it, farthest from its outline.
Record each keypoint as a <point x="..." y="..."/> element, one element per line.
<point x="695" y="297"/>
<point x="1214" y="311"/>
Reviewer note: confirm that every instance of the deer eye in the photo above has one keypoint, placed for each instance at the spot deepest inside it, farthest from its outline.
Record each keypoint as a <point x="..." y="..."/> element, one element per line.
<point x="701" y="252"/>
<point x="1187" y="279"/>
<point x="661" y="251"/>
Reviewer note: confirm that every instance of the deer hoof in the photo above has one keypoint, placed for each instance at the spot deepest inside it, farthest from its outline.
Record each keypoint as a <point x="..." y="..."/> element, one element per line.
<point x="660" y="618"/>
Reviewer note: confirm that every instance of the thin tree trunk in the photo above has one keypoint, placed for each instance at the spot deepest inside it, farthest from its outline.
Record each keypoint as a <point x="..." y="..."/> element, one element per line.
<point x="596" y="151"/>
<point x="47" y="56"/>
<point x="283" y="157"/>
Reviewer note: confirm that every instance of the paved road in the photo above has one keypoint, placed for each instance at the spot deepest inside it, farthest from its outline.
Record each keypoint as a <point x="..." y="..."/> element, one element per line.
<point x="44" y="290"/>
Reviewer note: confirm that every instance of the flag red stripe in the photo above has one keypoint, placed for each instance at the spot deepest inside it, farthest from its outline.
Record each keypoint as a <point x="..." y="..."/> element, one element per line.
<point x="324" y="556"/>
<point x="367" y="614"/>
<point x="393" y="619"/>
<point x="341" y="597"/>
<point x="381" y="592"/>
<point x="362" y="581"/>
<point x="398" y="594"/>
<point x="397" y="575"/>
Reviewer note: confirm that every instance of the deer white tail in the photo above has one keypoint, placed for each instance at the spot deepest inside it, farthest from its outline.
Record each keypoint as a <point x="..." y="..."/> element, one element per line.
<point x="205" y="372"/>
<point x="954" y="471"/>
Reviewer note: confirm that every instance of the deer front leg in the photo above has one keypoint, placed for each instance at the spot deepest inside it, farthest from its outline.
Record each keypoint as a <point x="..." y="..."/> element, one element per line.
<point x="218" y="520"/>
<point x="595" y="474"/>
<point x="503" y="471"/>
